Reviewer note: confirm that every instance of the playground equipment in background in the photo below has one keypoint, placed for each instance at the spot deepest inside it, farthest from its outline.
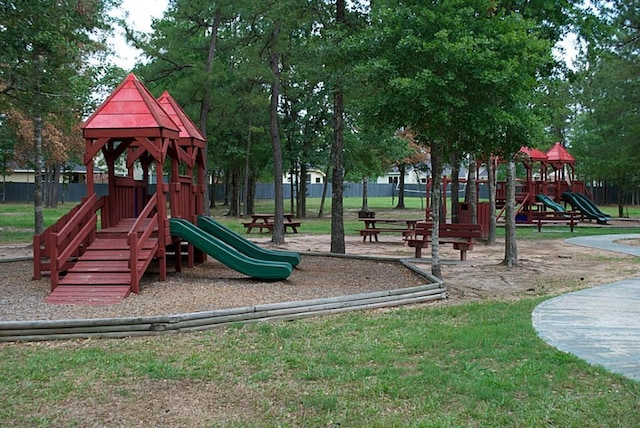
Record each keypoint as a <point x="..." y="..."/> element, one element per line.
<point x="554" y="177"/>
<point x="88" y="265"/>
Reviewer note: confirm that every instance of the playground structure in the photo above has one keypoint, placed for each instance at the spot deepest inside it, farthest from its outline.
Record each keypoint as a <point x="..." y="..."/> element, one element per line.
<point x="93" y="261"/>
<point x="551" y="187"/>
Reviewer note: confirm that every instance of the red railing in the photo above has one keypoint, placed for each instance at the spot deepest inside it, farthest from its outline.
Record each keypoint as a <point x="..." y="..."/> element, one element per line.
<point x="73" y="237"/>
<point x="41" y="250"/>
<point x="138" y="237"/>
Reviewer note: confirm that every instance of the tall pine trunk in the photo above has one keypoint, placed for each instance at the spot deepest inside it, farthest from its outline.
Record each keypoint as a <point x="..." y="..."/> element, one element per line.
<point x="491" y="178"/>
<point x="274" y="130"/>
<point x="39" y="166"/>
<point x="337" y="209"/>
<point x="436" y="207"/>
<point x="455" y="187"/>
<point x="325" y="187"/>
<point x="510" y="249"/>
<point x="402" y="168"/>
<point x="205" y="105"/>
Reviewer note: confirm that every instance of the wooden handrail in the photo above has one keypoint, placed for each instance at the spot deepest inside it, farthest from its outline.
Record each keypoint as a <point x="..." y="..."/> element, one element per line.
<point x="75" y="243"/>
<point x="42" y="242"/>
<point x="76" y="230"/>
<point x="89" y="207"/>
<point x="134" y="240"/>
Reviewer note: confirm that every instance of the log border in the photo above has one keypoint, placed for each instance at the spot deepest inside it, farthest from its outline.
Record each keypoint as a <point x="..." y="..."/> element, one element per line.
<point x="44" y="330"/>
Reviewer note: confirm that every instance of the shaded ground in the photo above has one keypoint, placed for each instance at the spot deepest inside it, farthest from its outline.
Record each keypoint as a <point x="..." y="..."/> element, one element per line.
<point x="546" y="267"/>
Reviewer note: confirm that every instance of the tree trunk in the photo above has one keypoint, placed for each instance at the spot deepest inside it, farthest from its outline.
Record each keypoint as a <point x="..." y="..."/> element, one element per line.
<point x="278" y="221"/>
<point x="455" y="187"/>
<point x="620" y="201"/>
<point x="247" y="171"/>
<point x="37" y="182"/>
<point x="365" y="195"/>
<point x="55" y="188"/>
<point x="205" y="105"/>
<point x="234" y="202"/>
<point x="325" y="187"/>
<point x="251" y="197"/>
<point x="491" y="178"/>
<point x="402" y="169"/>
<point x="472" y="189"/>
<point x="510" y="249"/>
<point x="337" y="208"/>
<point x="301" y="202"/>
<point x="436" y="204"/>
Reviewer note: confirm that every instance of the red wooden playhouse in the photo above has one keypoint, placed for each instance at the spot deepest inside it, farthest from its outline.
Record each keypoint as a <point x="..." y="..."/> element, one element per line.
<point x="99" y="251"/>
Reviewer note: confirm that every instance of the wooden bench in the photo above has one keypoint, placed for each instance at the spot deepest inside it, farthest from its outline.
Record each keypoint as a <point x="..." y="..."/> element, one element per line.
<point x="461" y="235"/>
<point x="293" y="225"/>
<point x="555" y="217"/>
<point x="373" y="232"/>
<point x="251" y="225"/>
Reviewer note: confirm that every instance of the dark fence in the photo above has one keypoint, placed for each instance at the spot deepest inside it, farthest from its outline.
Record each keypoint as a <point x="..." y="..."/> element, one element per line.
<point x="23" y="192"/>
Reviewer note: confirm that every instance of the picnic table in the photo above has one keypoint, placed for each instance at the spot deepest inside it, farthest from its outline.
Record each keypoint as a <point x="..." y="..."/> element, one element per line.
<point x="461" y="235"/>
<point x="265" y="221"/>
<point x="374" y="226"/>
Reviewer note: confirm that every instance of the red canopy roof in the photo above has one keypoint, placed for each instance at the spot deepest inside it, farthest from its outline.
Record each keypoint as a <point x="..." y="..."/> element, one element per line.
<point x="130" y="107"/>
<point x="188" y="129"/>
<point x="534" y="154"/>
<point x="558" y="154"/>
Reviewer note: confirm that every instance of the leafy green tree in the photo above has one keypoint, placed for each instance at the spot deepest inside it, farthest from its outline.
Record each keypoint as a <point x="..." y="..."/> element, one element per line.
<point x="457" y="73"/>
<point x="44" y="63"/>
<point x="605" y="140"/>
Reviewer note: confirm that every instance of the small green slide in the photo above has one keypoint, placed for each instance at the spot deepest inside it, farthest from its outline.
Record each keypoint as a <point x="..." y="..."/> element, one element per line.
<point x="245" y="246"/>
<point x="229" y="256"/>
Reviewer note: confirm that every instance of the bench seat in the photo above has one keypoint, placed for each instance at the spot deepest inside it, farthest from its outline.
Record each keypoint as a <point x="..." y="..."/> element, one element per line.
<point x="293" y="225"/>
<point x="555" y="217"/>
<point x="461" y="235"/>
<point x="373" y="232"/>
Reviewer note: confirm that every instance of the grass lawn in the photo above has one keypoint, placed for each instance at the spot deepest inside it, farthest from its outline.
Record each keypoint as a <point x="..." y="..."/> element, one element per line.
<point x="478" y="364"/>
<point x="17" y="220"/>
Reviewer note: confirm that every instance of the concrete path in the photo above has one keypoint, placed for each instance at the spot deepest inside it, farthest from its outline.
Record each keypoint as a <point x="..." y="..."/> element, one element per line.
<point x="602" y="324"/>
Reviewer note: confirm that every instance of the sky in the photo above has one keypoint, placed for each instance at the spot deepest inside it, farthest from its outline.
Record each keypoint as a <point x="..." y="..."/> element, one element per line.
<point x="140" y="14"/>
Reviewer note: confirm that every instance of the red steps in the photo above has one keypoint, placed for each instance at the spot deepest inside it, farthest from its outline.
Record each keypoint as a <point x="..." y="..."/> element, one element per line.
<point x="101" y="276"/>
<point x="88" y="295"/>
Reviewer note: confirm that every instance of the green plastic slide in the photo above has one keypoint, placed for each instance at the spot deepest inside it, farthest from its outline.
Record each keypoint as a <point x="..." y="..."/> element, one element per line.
<point x="229" y="256"/>
<point x="549" y="203"/>
<point x="245" y="246"/>
<point x="581" y="203"/>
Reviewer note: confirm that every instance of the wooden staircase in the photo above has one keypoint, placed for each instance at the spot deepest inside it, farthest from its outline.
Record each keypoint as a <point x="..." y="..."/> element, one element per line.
<point x="102" y="274"/>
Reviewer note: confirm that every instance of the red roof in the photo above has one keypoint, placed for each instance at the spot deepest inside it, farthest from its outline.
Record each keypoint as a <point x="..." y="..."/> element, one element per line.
<point x="130" y="107"/>
<point x="534" y="154"/>
<point x="187" y="128"/>
<point x="558" y="154"/>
